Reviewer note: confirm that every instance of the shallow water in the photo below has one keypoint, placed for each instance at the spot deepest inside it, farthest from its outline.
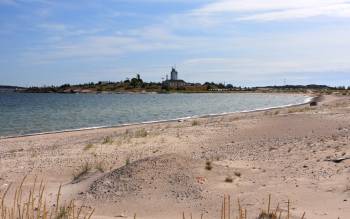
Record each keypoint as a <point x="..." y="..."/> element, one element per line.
<point x="22" y="113"/>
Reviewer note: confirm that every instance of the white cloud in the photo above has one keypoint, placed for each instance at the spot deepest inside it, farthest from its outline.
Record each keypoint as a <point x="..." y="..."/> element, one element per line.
<point x="259" y="66"/>
<point x="310" y="53"/>
<point x="258" y="5"/>
<point x="275" y="9"/>
<point x="259" y="71"/>
<point x="339" y="10"/>
<point x="208" y="41"/>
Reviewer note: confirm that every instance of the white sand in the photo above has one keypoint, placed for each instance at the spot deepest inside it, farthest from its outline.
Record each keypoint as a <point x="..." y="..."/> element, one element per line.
<point x="280" y="152"/>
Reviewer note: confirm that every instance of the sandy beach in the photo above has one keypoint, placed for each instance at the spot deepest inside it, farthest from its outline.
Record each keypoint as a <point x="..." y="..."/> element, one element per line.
<point x="159" y="170"/>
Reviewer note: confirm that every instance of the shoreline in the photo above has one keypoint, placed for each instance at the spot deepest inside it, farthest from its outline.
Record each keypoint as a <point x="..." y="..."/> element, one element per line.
<point x="308" y="100"/>
<point x="159" y="170"/>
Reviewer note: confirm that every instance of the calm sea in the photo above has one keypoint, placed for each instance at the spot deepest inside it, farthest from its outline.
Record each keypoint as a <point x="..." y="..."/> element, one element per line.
<point x="35" y="113"/>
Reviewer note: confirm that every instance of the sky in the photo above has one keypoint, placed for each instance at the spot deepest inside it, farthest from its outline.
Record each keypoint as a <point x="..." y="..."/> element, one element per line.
<point x="242" y="42"/>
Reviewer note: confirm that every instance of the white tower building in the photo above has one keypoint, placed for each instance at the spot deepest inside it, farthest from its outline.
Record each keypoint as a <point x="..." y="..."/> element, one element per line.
<point x="173" y="75"/>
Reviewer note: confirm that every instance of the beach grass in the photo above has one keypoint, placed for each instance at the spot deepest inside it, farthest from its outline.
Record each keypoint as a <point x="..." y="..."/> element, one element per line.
<point x="127" y="161"/>
<point x="35" y="206"/>
<point x="227" y="211"/>
<point x="140" y="133"/>
<point x="88" y="146"/>
<point x="100" y="166"/>
<point x="300" y="110"/>
<point x="82" y="171"/>
<point x="107" y="140"/>
<point x="195" y="123"/>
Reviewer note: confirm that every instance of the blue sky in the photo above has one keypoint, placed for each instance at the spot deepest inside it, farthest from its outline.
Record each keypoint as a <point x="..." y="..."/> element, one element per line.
<point x="243" y="42"/>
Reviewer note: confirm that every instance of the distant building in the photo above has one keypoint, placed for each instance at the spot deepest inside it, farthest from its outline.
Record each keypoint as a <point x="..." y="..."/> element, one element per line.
<point x="174" y="82"/>
<point x="173" y="74"/>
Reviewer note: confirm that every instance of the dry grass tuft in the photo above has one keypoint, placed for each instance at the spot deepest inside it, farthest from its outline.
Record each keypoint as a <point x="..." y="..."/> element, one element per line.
<point x="141" y="133"/>
<point x="82" y="171"/>
<point x="100" y="166"/>
<point x="195" y="123"/>
<point x="241" y="213"/>
<point x="300" y="110"/>
<point x="107" y="140"/>
<point x="264" y="215"/>
<point x="36" y="207"/>
<point x="88" y="147"/>
<point x="127" y="161"/>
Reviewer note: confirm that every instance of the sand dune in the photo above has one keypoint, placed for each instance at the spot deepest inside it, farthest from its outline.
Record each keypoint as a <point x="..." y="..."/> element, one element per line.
<point x="158" y="170"/>
<point x="164" y="175"/>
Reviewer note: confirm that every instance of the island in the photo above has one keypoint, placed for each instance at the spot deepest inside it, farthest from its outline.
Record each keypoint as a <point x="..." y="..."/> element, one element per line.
<point x="174" y="84"/>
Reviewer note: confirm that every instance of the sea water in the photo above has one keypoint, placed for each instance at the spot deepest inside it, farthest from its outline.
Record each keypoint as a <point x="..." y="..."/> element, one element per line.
<point x="24" y="113"/>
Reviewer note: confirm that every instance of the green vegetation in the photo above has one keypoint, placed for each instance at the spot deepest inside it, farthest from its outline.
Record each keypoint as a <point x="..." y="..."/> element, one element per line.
<point x="137" y="84"/>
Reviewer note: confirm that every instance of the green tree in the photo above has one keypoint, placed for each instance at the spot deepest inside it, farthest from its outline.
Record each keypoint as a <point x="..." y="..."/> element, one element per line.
<point x="136" y="82"/>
